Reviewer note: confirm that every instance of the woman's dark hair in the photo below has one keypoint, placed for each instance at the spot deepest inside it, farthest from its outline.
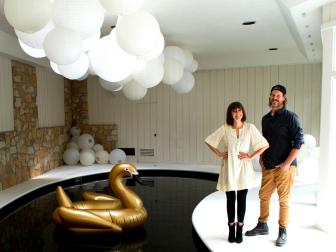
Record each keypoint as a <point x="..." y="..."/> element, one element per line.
<point x="232" y="106"/>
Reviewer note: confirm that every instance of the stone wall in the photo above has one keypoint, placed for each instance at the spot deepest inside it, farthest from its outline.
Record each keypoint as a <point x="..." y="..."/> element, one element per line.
<point x="29" y="151"/>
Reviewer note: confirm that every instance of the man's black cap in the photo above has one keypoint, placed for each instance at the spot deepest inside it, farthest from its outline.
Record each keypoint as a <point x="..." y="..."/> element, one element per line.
<point x="279" y="87"/>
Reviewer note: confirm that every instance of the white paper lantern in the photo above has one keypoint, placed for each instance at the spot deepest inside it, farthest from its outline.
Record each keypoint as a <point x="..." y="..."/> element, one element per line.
<point x="186" y="84"/>
<point x="90" y="42"/>
<point x="309" y="141"/>
<point x="89" y="150"/>
<point x="54" y="67"/>
<point x="84" y="76"/>
<point x="82" y="16"/>
<point x="102" y="157"/>
<point x="149" y="74"/>
<point x="98" y="147"/>
<point x="122" y="7"/>
<point x="109" y="61"/>
<point x="134" y="91"/>
<point x="76" y="69"/>
<point x="174" y="52"/>
<point x="85" y="141"/>
<point x="35" y="39"/>
<point x="75" y="131"/>
<point x="193" y="67"/>
<point x="157" y="50"/>
<point x="86" y="157"/>
<point x="117" y="156"/>
<point x="36" y="53"/>
<point x="173" y="71"/>
<point x="71" y="156"/>
<point x="73" y="145"/>
<point x="189" y="58"/>
<point x="110" y="86"/>
<point x="137" y="33"/>
<point x="74" y="139"/>
<point x="63" y="46"/>
<point x="28" y="16"/>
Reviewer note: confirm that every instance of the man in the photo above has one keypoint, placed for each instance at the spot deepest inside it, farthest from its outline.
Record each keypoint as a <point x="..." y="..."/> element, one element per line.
<point x="284" y="134"/>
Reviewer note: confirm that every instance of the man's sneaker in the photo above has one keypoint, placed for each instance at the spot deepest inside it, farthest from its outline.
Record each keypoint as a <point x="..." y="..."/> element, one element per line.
<point x="260" y="229"/>
<point x="282" y="238"/>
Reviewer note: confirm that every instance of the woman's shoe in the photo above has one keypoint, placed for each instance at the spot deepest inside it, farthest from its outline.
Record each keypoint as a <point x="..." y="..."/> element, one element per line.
<point x="239" y="232"/>
<point x="232" y="231"/>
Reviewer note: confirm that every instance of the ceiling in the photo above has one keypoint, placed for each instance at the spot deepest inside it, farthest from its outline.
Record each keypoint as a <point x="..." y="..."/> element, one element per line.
<point x="213" y="31"/>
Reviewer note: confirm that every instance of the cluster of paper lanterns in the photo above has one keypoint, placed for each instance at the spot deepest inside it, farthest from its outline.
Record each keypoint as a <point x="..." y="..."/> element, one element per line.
<point x="82" y="148"/>
<point x="307" y="148"/>
<point x="132" y="58"/>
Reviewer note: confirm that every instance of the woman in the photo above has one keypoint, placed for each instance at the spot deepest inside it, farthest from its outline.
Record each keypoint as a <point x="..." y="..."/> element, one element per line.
<point x="236" y="174"/>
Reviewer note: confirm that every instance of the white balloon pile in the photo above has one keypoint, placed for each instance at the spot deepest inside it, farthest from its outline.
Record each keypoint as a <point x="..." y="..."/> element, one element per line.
<point x="85" y="151"/>
<point x="129" y="58"/>
<point x="307" y="149"/>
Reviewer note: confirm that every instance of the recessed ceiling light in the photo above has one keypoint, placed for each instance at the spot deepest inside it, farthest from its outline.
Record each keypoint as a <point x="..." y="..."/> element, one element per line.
<point x="273" y="49"/>
<point x="249" y="23"/>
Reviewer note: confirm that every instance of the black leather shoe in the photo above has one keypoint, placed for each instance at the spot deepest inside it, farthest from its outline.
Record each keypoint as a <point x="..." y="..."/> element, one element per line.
<point x="260" y="229"/>
<point x="232" y="232"/>
<point x="282" y="238"/>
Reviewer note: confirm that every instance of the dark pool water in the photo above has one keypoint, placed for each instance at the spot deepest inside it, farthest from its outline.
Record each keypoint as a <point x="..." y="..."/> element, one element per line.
<point x="170" y="203"/>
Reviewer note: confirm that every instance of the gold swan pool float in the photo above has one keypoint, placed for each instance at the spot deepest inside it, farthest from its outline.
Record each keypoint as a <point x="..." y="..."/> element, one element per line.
<point x="100" y="212"/>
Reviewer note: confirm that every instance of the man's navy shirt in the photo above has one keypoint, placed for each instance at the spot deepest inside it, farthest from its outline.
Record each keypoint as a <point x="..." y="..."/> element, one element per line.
<point x="283" y="133"/>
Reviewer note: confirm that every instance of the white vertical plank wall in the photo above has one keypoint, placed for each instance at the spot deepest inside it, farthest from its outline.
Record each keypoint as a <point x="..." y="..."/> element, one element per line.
<point x="50" y="98"/>
<point x="182" y="122"/>
<point x="6" y="96"/>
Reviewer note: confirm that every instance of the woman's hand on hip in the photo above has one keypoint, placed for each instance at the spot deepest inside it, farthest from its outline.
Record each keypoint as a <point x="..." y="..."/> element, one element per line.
<point x="244" y="156"/>
<point x="223" y="154"/>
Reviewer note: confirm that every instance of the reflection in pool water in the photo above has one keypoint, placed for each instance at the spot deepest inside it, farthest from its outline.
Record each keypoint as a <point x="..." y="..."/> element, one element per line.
<point x="169" y="204"/>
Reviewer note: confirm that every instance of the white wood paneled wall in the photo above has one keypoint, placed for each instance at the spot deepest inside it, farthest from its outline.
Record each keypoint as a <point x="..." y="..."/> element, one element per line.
<point x="50" y="98"/>
<point x="6" y="96"/>
<point x="183" y="121"/>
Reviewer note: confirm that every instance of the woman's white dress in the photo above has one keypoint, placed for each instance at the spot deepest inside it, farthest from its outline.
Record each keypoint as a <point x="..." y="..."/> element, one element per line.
<point x="236" y="174"/>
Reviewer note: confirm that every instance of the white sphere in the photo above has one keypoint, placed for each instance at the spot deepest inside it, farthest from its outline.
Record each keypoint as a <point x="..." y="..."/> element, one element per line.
<point x="157" y="50"/>
<point x="193" y="67"/>
<point x="75" y="131"/>
<point x="89" y="150"/>
<point x="28" y="16"/>
<point x="110" y="86"/>
<point x="34" y="52"/>
<point x="102" y="157"/>
<point x="117" y="156"/>
<point x="134" y="91"/>
<point x="174" y="52"/>
<point x="186" y="84"/>
<point x="35" y="39"/>
<point x="74" y="139"/>
<point x="189" y="58"/>
<point x="109" y="61"/>
<point x="309" y="141"/>
<point x="71" y="156"/>
<point x="63" y="46"/>
<point x="86" y="157"/>
<point x="149" y="74"/>
<point x="73" y="145"/>
<point x="122" y="7"/>
<point x="76" y="69"/>
<point x="98" y="147"/>
<point x="137" y="33"/>
<point x="54" y="67"/>
<point x="85" y="141"/>
<point x="82" y="16"/>
<point x="91" y="41"/>
<point x="84" y="76"/>
<point x="173" y="71"/>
